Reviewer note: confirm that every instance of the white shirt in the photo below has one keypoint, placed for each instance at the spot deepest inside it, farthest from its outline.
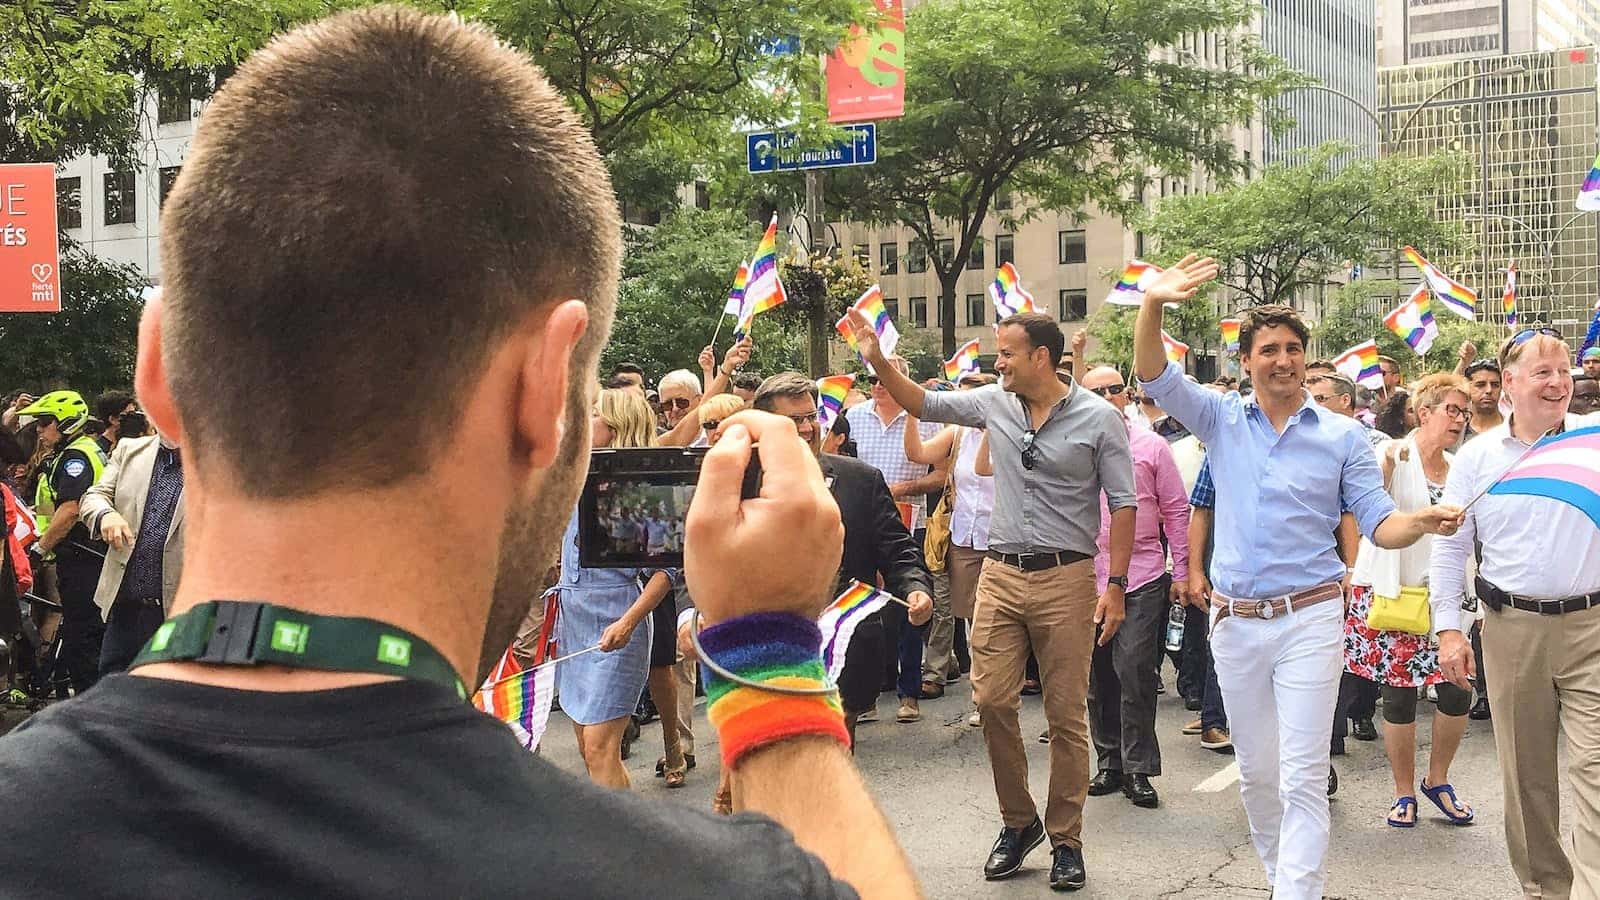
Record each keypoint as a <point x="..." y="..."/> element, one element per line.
<point x="1532" y="546"/>
<point x="883" y="448"/>
<point x="969" y="518"/>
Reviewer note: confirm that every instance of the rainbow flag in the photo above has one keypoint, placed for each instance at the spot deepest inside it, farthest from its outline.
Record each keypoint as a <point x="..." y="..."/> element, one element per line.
<point x="1176" y="349"/>
<point x="1589" y="193"/>
<point x="831" y="391"/>
<point x="1508" y="299"/>
<point x="1230" y="333"/>
<point x="1562" y="467"/>
<point x="965" y="362"/>
<point x="1007" y="293"/>
<point x="1413" y="322"/>
<point x="1453" y="295"/>
<point x="1360" y="364"/>
<point x="735" y="304"/>
<point x="763" y="290"/>
<point x="1130" y="287"/>
<point x="519" y="697"/>
<point x="1591" y="337"/>
<point x="838" y="622"/>
<point x="870" y="304"/>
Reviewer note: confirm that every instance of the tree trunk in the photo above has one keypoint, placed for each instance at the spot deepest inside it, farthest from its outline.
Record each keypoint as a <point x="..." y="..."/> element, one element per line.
<point x="947" y="312"/>
<point x="819" y="332"/>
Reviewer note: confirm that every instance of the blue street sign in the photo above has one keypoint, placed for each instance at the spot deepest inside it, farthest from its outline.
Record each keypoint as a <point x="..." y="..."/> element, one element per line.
<point x="769" y="151"/>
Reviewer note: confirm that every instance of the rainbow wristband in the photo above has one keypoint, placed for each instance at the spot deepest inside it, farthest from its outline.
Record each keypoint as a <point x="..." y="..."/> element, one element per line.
<point x="773" y="648"/>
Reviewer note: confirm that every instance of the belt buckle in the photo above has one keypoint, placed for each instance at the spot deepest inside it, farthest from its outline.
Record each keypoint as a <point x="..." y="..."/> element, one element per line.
<point x="1264" y="609"/>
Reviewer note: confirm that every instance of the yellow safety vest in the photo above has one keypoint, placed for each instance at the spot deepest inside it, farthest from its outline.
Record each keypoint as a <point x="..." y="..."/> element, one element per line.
<point x="44" y="497"/>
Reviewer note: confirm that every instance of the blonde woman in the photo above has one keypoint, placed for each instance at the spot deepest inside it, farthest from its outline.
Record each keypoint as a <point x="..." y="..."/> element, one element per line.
<point x="606" y="607"/>
<point x="1414" y="471"/>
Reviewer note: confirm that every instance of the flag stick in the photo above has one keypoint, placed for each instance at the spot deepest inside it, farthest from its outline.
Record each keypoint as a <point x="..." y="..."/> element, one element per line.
<point x="717" y="332"/>
<point x="549" y="662"/>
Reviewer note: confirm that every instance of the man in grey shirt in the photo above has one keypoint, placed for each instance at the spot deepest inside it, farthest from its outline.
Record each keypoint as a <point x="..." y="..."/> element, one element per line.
<point x="1054" y="447"/>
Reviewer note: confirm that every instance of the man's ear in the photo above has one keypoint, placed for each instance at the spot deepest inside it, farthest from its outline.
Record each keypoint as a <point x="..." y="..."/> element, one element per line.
<point x="150" y="374"/>
<point x="542" y="396"/>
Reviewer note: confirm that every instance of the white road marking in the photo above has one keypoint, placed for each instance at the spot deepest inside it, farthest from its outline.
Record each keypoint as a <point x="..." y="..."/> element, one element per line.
<point x="1220" y="781"/>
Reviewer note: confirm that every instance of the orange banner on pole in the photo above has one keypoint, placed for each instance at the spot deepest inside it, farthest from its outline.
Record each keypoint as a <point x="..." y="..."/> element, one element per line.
<point x="867" y="72"/>
<point x="30" y="255"/>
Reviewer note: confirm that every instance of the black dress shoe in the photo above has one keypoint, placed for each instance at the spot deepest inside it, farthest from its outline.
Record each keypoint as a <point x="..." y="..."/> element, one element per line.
<point x="1333" y="781"/>
<point x="1066" y="869"/>
<point x="1106" y="781"/>
<point x="1480" y="710"/>
<point x="1363" y="730"/>
<point x="1010" y="849"/>
<point x="1192" y="704"/>
<point x="1139" y="789"/>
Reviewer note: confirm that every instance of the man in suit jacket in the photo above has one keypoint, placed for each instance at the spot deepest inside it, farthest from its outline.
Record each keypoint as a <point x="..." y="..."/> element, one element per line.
<point x="143" y="484"/>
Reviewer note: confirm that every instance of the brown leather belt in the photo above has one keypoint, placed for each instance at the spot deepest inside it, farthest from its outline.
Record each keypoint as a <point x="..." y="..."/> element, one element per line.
<point x="1273" y="607"/>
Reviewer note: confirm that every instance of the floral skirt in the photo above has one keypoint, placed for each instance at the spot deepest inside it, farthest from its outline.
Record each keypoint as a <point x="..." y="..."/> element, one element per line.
<point x="1394" y="658"/>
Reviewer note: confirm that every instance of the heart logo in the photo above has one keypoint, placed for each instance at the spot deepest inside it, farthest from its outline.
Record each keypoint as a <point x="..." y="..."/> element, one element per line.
<point x="42" y="272"/>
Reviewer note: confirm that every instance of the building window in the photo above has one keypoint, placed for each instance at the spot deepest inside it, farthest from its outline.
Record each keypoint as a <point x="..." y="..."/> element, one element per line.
<point x="916" y="258"/>
<point x="1002" y="200"/>
<point x="863" y="255"/>
<point x="172" y="105"/>
<point x="69" y="202"/>
<point x="977" y="309"/>
<point x="1074" y="304"/>
<point x="702" y="195"/>
<point x="1073" y="246"/>
<point x="919" y="312"/>
<point x="119" y="198"/>
<point x="888" y="259"/>
<point x="1004" y="251"/>
<point x="947" y="251"/>
<point x="169" y="177"/>
<point x="893" y="306"/>
<point x="975" y="256"/>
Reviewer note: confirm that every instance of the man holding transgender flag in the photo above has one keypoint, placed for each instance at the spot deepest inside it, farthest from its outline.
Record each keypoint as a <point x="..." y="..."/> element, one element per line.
<point x="1531" y="486"/>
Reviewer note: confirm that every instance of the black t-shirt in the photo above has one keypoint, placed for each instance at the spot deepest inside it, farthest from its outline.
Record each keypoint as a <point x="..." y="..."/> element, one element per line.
<point x="144" y="787"/>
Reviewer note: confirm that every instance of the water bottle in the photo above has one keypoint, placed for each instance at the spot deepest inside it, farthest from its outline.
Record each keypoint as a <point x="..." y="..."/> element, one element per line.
<point x="1175" y="623"/>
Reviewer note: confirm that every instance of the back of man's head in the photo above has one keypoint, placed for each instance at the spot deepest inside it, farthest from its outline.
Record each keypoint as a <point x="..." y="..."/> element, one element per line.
<point x="371" y="207"/>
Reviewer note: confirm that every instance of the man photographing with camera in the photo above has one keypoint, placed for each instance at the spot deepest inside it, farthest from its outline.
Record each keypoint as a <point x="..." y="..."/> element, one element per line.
<point x="298" y="726"/>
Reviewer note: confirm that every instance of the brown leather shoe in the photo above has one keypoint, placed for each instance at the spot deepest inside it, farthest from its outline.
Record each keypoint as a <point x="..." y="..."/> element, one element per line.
<point x="1216" y="739"/>
<point x="932" y="690"/>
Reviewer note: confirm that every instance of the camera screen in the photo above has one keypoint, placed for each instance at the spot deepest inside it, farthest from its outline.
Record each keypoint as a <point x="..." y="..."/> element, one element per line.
<point x="633" y="507"/>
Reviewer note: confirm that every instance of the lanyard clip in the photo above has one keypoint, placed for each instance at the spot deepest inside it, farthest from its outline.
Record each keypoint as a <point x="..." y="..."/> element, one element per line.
<point x="233" y="633"/>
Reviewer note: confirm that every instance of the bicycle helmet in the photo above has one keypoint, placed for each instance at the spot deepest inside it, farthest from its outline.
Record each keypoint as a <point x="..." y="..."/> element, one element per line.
<point x="66" y="407"/>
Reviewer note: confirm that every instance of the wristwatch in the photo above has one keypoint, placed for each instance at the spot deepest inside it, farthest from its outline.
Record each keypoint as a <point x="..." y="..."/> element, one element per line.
<point x="1120" y="581"/>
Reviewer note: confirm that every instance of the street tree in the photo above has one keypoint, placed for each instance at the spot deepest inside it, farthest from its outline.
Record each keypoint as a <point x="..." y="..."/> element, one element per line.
<point x="1288" y="229"/>
<point x="1355" y="314"/>
<point x="89" y="345"/>
<point x="1065" y="105"/>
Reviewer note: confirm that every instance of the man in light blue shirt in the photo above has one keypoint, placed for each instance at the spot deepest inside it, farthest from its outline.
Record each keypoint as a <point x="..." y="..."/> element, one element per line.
<point x="1284" y="464"/>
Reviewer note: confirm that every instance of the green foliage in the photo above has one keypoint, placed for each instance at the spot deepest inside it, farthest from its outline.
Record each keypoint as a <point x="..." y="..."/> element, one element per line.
<point x="1289" y="228"/>
<point x="1356" y="314"/>
<point x="1066" y="104"/>
<point x="1111" y="326"/>
<point x="88" y="346"/>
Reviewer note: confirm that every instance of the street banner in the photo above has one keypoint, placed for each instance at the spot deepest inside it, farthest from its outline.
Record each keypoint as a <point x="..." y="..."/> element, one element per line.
<point x="866" y="73"/>
<point x="30" y="255"/>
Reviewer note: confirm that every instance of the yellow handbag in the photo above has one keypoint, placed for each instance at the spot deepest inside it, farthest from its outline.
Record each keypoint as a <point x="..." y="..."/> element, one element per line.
<point x="1408" y="612"/>
<point x="936" y="545"/>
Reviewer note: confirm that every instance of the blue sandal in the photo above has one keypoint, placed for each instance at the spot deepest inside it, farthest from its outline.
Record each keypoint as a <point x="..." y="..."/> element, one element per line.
<point x="1399" y="808"/>
<point x="1453" y="811"/>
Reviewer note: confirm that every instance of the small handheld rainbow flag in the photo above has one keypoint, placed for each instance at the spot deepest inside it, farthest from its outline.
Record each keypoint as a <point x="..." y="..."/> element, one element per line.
<point x="763" y="290"/>
<point x="1136" y="278"/>
<point x="831" y="393"/>
<point x="1230" y="334"/>
<point x="1360" y="364"/>
<point x="1453" y="295"/>
<point x="1508" y="299"/>
<point x="735" y="304"/>
<point x="519" y="697"/>
<point x="1591" y="338"/>
<point x="870" y="304"/>
<point x="1562" y="467"/>
<point x="1007" y="293"/>
<point x="965" y="362"/>
<point x="838" y="622"/>
<point x="1589" y="193"/>
<point x="1176" y="349"/>
<point x="1413" y="322"/>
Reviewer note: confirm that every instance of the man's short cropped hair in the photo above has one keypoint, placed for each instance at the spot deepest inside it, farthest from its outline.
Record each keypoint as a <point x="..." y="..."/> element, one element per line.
<point x="1337" y="383"/>
<point x="111" y="403"/>
<point x="1254" y="318"/>
<point x="628" y="368"/>
<point x="1042" y="331"/>
<point x="746" y="381"/>
<point x="784" y="384"/>
<point x="682" y="378"/>
<point x="375" y="202"/>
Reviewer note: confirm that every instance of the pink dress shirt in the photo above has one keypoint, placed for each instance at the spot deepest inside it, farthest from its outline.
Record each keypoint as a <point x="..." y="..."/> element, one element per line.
<point x="1163" y="510"/>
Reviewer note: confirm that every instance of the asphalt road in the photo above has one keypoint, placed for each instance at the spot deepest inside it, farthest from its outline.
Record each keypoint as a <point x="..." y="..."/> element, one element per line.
<point x="932" y="780"/>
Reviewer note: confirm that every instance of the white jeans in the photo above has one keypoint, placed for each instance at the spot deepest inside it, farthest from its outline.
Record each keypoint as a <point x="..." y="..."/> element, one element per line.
<point x="1280" y="681"/>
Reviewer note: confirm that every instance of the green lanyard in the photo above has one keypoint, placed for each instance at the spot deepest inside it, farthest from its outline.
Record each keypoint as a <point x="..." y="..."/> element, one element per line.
<point x="229" y="632"/>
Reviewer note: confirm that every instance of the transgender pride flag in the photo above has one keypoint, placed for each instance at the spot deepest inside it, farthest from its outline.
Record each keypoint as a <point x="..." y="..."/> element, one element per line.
<point x="1563" y="467"/>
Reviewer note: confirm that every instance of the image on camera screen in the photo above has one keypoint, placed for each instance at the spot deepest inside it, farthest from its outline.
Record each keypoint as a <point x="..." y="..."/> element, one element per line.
<point x="636" y="523"/>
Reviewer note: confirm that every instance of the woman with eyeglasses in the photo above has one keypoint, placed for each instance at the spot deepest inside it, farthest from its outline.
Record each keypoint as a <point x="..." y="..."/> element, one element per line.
<point x="1414" y="471"/>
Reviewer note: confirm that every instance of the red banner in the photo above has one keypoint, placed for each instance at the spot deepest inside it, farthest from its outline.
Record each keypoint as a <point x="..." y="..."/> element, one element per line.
<point x="867" y="72"/>
<point x="30" y="256"/>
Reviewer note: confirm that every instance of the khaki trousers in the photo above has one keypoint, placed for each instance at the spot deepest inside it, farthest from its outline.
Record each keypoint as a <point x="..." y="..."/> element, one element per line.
<point x="1544" y="675"/>
<point x="1051" y="614"/>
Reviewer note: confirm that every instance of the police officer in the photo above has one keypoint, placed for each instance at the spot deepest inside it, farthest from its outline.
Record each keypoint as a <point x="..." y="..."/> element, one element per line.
<point x="73" y="467"/>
